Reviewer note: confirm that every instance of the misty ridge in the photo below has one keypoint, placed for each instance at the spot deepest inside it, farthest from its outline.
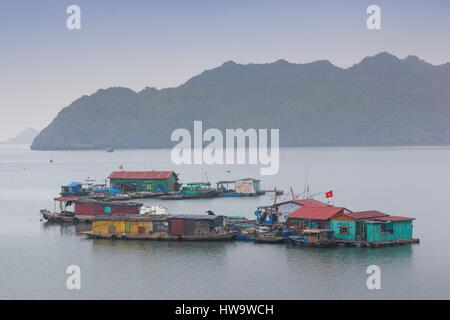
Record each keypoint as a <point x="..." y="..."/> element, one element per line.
<point x="379" y="101"/>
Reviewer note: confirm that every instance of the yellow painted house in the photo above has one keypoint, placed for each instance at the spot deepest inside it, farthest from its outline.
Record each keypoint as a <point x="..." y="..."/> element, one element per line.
<point x="127" y="225"/>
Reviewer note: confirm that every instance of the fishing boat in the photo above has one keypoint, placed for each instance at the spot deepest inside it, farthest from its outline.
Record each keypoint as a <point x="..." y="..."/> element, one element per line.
<point x="314" y="237"/>
<point x="192" y="190"/>
<point x="60" y="217"/>
<point x="83" y="209"/>
<point x="245" y="229"/>
<point x="77" y="189"/>
<point x="269" y="237"/>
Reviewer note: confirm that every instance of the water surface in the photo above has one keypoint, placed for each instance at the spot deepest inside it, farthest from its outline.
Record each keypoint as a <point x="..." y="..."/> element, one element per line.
<point x="401" y="181"/>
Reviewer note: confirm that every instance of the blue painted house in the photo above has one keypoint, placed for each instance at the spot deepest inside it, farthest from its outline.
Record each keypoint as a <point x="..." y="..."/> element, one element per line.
<point x="371" y="226"/>
<point x="388" y="229"/>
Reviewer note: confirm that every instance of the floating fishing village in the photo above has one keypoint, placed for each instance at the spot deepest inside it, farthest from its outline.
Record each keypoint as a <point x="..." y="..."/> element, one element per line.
<point x="112" y="212"/>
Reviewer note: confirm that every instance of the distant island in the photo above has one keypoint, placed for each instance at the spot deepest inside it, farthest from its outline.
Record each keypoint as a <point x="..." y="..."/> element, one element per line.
<point x="25" y="137"/>
<point x="382" y="100"/>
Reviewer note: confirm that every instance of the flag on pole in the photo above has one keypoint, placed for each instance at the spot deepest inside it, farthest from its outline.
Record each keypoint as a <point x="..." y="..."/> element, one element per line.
<point x="329" y="194"/>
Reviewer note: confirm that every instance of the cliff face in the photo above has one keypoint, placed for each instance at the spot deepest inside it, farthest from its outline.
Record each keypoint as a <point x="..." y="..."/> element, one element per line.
<point x="380" y="101"/>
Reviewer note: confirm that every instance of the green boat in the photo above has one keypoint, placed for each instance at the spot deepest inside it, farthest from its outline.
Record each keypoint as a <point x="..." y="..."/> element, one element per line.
<point x="193" y="190"/>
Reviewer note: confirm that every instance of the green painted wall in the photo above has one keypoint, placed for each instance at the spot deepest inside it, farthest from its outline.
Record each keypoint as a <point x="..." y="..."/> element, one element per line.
<point x="149" y="184"/>
<point x="400" y="230"/>
<point x="336" y="225"/>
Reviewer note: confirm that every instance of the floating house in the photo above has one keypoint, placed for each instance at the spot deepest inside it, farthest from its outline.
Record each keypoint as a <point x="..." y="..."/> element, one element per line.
<point x="160" y="227"/>
<point x="372" y="227"/>
<point x="239" y="188"/>
<point x="150" y="181"/>
<point x="313" y="217"/>
<point x="123" y="226"/>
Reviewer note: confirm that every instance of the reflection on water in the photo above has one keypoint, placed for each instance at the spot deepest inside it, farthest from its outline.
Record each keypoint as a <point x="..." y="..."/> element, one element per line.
<point x="35" y="255"/>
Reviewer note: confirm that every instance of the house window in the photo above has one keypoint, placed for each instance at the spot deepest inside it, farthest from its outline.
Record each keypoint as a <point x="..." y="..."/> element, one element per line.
<point x="111" y="229"/>
<point x="141" y="230"/>
<point x="387" y="228"/>
<point x="344" y="230"/>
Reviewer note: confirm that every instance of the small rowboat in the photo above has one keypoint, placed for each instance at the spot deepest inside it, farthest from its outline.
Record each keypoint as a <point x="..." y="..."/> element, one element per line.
<point x="304" y="241"/>
<point x="269" y="238"/>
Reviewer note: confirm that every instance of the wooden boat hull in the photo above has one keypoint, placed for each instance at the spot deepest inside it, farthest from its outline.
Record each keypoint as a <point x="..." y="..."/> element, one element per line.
<point x="55" y="217"/>
<point x="237" y="195"/>
<point x="205" y="195"/>
<point x="211" y="237"/>
<point x="273" y="240"/>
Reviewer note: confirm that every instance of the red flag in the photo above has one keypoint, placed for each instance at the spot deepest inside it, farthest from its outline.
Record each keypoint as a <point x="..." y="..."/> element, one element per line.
<point x="329" y="194"/>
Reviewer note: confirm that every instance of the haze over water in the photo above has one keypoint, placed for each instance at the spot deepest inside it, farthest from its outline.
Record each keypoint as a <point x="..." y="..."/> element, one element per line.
<point x="400" y="181"/>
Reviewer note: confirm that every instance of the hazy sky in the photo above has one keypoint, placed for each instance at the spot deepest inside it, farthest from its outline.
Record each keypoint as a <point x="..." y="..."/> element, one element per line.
<point x="44" y="66"/>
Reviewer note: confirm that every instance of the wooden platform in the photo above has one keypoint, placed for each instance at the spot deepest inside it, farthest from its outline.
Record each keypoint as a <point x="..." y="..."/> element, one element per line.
<point x="365" y="244"/>
<point x="208" y="237"/>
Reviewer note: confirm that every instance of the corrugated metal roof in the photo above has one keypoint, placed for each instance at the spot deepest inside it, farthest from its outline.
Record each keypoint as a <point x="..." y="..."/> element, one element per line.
<point x="395" y="218"/>
<point x="316" y="213"/>
<point x="371" y="214"/>
<point x="141" y="175"/>
<point x="310" y="203"/>
<point x="305" y="203"/>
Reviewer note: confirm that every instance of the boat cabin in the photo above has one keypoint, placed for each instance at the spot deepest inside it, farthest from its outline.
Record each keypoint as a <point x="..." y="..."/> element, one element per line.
<point x="268" y="215"/>
<point x="64" y="204"/>
<point x="196" y="188"/>
<point x="89" y="207"/>
<point x="77" y="189"/>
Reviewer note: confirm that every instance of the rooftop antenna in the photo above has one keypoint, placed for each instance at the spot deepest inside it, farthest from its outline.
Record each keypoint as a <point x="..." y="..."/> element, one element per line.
<point x="292" y="194"/>
<point x="306" y="187"/>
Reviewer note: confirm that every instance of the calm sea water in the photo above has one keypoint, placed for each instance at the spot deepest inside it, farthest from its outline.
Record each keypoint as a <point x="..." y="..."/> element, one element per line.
<point x="402" y="181"/>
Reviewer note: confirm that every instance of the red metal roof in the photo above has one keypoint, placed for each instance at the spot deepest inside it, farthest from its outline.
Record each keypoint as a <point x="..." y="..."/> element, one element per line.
<point x="310" y="203"/>
<point x="395" y="218"/>
<point x="140" y="175"/>
<point x="366" y="214"/>
<point x="316" y="213"/>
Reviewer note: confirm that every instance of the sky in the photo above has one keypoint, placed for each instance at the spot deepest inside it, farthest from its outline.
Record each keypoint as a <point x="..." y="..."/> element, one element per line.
<point x="44" y="66"/>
